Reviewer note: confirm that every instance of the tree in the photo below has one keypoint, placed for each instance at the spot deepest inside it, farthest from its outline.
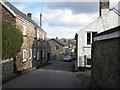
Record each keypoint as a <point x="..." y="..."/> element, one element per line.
<point x="11" y="40"/>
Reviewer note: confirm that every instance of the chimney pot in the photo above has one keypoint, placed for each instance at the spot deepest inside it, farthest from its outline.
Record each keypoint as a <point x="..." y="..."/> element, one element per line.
<point x="104" y="6"/>
<point x="29" y="15"/>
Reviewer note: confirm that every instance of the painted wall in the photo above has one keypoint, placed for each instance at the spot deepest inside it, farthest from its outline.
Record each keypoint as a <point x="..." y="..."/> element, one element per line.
<point x="103" y="23"/>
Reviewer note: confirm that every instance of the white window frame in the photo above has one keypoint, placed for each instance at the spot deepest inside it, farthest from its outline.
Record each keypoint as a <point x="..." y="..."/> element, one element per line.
<point x="38" y="55"/>
<point x="43" y="38"/>
<point x="30" y="54"/>
<point x="43" y="54"/>
<point x="91" y="36"/>
<point x="35" y="33"/>
<point x="34" y="53"/>
<point x="38" y="36"/>
<point x="57" y="47"/>
<point x="24" y="57"/>
<point x="24" y="30"/>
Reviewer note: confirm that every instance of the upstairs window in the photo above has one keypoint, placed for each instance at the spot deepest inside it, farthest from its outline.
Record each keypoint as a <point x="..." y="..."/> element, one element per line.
<point x="35" y="33"/>
<point x="24" y="30"/>
<point x="90" y="37"/>
<point x="57" y="47"/>
<point x="43" y="38"/>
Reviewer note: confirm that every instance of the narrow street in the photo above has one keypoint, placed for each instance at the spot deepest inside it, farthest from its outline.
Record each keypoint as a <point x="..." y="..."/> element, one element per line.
<point x="57" y="74"/>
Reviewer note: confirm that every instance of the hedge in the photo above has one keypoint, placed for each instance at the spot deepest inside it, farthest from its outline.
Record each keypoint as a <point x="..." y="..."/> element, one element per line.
<point x="11" y="40"/>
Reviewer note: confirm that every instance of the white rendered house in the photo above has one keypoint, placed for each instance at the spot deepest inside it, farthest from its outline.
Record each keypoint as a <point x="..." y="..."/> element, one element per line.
<point x="109" y="18"/>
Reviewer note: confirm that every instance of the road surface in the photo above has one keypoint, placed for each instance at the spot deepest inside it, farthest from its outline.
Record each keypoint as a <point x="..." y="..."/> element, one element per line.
<point x="57" y="74"/>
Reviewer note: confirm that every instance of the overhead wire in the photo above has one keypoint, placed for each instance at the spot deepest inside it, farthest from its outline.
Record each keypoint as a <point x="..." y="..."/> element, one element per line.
<point x="42" y="3"/>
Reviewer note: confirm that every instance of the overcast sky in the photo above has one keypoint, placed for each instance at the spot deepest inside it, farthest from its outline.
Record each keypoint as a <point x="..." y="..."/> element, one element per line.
<point x="62" y="19"/>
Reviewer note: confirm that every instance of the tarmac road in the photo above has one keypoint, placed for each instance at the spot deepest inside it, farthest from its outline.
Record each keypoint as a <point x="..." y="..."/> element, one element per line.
<point x="57" y="74"/>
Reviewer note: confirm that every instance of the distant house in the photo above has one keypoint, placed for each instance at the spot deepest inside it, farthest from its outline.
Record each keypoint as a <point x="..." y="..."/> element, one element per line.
<point x="48" y="51"/>
<point x="109" y="18"/>
<point x="58" y="49"/>
<point x="34" y="45"/>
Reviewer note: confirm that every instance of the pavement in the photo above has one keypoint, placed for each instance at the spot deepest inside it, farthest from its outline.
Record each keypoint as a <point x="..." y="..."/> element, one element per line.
<point x="85" y="77"/>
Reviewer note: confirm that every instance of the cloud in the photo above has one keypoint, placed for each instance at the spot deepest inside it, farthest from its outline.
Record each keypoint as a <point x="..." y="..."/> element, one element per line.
<point x="59" y="17"/>
<point x="114" y="3"/>
<point x="61" y="32"/>
<point x="75" y="7"/>
<point x="63" y="23"/>
<point x="63" y="19"/>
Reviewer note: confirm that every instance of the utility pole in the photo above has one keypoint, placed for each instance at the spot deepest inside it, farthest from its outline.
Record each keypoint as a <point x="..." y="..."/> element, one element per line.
<point x="40" y="20"/>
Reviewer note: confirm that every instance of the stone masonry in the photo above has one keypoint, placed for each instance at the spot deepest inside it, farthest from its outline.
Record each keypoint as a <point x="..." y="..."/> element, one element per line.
<point x="7" y="65"/>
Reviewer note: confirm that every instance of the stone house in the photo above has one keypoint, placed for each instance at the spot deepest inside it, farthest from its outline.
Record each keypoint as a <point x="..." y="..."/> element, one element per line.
<point x="40" y="49"/>
<point x="58" y="49"/>
<point x="34" y="38"/>
<point x="108" y="18"/>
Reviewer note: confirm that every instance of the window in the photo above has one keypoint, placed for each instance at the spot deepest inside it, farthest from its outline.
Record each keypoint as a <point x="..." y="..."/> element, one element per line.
<point x="34" y="53"/>
<point x="43" y="38"/>
<point x="57" y="47"/>
<point x="88" y="61"/>
<point x="24" y="30"/>
<point x="35" y="33"/>
<point x="30" y="54"/>
<point x="38" y="55"/>
<point x="24" y="55"/>
<point x="90" y="37"/>
<point x="43" y="54"/>
<point x="38" y="36"/>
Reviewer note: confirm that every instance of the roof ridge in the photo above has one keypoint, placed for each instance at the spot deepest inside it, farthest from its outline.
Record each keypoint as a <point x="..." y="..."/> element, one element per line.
<point x="116" y="11"/>
<point x="59" y="41"/>
<point x="23" y="15"/>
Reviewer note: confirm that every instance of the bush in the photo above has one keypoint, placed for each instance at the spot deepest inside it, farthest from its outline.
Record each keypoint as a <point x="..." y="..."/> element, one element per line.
<point x="11" y="40"/>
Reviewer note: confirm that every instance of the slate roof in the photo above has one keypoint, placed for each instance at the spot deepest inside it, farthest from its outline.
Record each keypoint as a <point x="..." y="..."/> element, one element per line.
<point x="109" y="31"/>
<point x="60" y="42"/>
<point x="18" y="12"/>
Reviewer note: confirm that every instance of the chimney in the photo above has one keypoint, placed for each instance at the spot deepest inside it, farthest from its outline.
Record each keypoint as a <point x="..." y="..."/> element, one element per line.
<point x="40" y="20"/>
<point x="56" y="38"/>
<point x="104" y="7"/>
<point x="29" y="15"/>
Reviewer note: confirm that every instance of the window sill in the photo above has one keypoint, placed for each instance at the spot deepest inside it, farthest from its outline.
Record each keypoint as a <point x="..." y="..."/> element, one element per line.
<point x="24" y="61"/>
<point x="30" y="58"/>
<point x="24" y="35"/>
<point x="87" y="46"/>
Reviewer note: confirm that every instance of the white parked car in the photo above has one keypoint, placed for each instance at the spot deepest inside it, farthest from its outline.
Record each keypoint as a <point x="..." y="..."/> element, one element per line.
<point x="67" y="58"/>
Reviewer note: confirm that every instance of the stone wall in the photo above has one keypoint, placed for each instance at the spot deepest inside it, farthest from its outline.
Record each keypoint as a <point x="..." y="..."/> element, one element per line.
<point x="7" y="65"/>
<point x="106" y="60"/>
<point x="7" y="70"/>
<point x="27" y="45"/>
<point x="7" y="16"/>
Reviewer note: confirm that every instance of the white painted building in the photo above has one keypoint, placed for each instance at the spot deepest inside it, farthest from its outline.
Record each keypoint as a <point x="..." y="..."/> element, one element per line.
<point x="109" y="18"/>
